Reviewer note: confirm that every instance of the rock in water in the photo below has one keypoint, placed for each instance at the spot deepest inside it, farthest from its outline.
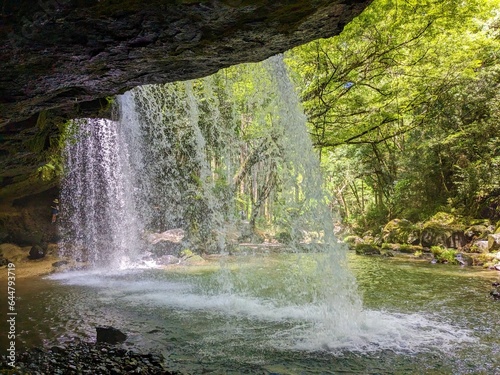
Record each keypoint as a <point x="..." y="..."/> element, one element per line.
<point x="110" y="335"/>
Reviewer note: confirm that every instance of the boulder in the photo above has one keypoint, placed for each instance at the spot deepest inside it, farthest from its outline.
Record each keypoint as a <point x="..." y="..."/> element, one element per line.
<point x="480" y="246"/>
<point x="478" y="231"/>
<point x="36" y="252"/>
<point x="409" y="249"/>
<point x="443" y="229"/>
<point x="110" y="335"/>
<point x="401" y="231"/>
<point x="464" y="259"/>
<point x="493" y="242"/>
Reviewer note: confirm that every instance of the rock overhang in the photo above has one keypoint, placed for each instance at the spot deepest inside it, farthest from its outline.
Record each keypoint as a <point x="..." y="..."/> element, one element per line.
<point x="65" y="56"/>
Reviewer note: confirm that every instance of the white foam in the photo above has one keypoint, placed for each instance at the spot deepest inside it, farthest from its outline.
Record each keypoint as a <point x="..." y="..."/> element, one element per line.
<point x="309" y="327"/>
<point x="312" y="330"/>
<point x="379" y="331"/>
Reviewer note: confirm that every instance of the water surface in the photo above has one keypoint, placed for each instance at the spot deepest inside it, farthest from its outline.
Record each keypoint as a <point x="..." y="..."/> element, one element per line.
<point x="270" y="314"/>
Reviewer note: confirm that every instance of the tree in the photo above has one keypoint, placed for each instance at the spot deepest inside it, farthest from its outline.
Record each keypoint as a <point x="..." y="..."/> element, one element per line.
<point x="382" y="91"/>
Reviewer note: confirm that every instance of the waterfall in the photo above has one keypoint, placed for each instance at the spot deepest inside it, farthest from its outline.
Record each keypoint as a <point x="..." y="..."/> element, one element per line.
<point x="337" y="292"/>
<point x="206" y="156"/>
<point x="99" y="221"/>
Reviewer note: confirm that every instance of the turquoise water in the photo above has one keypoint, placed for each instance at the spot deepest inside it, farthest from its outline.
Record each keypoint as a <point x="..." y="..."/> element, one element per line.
<point x="269" y="314"/>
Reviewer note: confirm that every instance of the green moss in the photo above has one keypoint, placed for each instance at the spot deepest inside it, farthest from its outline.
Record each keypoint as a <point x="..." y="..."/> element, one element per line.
<point x="366" y="249"/>
<point x="186" y="253"/>
<point x="400" y="231"/>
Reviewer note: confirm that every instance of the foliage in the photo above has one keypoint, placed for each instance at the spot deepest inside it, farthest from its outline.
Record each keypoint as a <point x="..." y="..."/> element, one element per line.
<point x="444" y="255"/>
<point x="403" y="108"/>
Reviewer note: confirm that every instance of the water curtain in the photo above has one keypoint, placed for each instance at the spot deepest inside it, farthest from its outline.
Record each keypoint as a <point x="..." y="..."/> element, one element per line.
<point x="213" y="157"/>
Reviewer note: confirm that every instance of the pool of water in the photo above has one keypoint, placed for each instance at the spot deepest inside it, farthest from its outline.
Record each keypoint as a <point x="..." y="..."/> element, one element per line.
<point x="270" y="314"/>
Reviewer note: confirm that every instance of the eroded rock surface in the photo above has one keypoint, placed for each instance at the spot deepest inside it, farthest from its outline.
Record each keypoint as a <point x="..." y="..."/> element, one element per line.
<point x="64" y="57"/>
<point x="60" y="52"/>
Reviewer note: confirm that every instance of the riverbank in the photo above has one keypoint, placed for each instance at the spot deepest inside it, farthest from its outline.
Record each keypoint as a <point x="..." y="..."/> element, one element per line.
<point x="85" y="358"/>
<point x="24" y="267"/>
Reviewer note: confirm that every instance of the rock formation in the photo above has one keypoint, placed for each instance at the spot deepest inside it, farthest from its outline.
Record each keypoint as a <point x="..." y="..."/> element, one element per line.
<point x="61" y="59"/>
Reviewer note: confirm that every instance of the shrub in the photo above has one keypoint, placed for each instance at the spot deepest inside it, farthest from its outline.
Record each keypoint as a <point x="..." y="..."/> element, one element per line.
<point x="444" y="255"/>
<point x="284" y="237"/>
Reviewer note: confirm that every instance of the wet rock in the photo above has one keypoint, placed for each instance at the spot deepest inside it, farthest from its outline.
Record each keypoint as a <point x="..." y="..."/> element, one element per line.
<point x="464" y="259"/>
<point x="36" y="252"/>
<point x="109" y="335"/>
<point x="366" y="249"/>
<point x="88" y="359"/>
<point x="60" y="263"/>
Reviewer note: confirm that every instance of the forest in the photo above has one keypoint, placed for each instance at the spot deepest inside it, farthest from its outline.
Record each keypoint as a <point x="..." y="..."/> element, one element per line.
<point x="402" y="110"/>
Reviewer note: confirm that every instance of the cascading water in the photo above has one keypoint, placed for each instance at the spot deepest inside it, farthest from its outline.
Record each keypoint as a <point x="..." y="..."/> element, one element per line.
<point x="149" y="171"/>
<point x="99" y="221"/>
<point x="339" y="302"/>
<point x="213" y="157"/>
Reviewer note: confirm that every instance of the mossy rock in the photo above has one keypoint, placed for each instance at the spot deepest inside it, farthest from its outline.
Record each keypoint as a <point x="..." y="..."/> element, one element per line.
<point x="366" y="249"/>
<point x="478" y="231"/>
<point x="443" y="229"/>
<point x="445" y="219"/>
<point x="195" y="259"/>
<point x="480" y="246"/>
<point x="493" y="242"/>
<point x="408" y="249"/>
<point x="485" y="260"/>
<point x="352" y="240"/>
<point x="401" y="231"/>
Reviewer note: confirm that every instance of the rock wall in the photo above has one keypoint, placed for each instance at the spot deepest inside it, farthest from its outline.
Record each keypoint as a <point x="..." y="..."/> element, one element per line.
<point x="58" y="52"/>
<point x="62" y="58"/>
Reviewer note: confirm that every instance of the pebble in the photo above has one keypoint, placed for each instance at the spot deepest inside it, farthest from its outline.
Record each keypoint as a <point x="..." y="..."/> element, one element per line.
<point x="86" y="358"/>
